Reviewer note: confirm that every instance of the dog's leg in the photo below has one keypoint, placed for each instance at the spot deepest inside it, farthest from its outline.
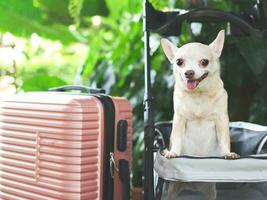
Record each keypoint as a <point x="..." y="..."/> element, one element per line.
<point x="222" y="129"/>
<point x="208" y="190"/>
<point x="178" y="130"/>
<point x="174" y="190"/>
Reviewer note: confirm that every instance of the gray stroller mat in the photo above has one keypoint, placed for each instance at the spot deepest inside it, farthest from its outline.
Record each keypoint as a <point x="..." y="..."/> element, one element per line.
<point x="244" y="178"/>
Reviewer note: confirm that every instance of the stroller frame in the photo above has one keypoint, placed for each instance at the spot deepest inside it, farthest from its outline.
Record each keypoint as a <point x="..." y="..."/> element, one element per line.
<point x="169" y="24"/>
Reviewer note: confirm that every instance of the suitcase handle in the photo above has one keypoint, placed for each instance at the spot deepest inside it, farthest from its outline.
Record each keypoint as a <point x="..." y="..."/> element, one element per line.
<point x="77" y="87"/>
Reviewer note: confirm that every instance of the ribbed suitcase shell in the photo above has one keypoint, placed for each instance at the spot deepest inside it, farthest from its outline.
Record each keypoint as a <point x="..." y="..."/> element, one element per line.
<point x="51" y="146"/>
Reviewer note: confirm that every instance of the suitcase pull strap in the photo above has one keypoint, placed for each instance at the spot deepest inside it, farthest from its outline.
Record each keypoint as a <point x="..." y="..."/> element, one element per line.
<point x="124" y="174"/>
<point x="112" y="164"/>
<point x="78" y="88"/>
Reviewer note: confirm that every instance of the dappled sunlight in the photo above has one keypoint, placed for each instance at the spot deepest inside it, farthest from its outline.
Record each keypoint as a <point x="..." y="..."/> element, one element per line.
<point x="23" y="60"/>
<point x="7" y="85"/>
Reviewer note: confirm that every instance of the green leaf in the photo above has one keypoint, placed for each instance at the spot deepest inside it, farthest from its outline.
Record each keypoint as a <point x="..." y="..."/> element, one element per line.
<point x="54" y="10"/>
<point x="22" y="19"/>
<point x="116" y="7"/>
<point x="40" y="81"/>
<point x="75" y="7"/>
<point x="94" y="7"/>
<point x="70" y="11"/>
<point x="254" y="51"/>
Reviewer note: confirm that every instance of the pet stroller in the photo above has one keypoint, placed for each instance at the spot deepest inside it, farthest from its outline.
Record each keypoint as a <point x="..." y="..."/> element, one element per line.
<point x="244" y="178"/>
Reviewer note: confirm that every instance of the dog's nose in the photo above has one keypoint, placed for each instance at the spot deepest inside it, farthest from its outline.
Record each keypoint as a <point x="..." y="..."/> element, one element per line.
<point x="189" y="74"/>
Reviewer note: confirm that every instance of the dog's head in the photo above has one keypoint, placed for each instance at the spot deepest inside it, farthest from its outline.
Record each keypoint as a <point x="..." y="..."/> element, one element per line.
<point x="194" y="63"/>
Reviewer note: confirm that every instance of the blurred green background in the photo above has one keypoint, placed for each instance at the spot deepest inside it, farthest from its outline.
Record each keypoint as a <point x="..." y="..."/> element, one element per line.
<point x="48" y="43"/>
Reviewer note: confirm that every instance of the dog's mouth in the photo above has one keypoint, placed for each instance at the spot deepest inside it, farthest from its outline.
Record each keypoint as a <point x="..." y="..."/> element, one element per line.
<point x="193" y="83"/>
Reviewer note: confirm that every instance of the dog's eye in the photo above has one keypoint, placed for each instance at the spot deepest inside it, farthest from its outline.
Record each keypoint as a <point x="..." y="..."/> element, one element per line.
<point x="204" y="62"/>
<point x="180" y="62"/>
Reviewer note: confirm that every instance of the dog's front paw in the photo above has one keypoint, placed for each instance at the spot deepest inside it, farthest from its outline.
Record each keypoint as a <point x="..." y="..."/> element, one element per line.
<point x="231" y="155"/>
<point x="169" y="154"/>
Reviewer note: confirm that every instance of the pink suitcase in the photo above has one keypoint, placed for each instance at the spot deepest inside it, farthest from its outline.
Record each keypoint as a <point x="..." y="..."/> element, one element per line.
<point x="56" y="145"/>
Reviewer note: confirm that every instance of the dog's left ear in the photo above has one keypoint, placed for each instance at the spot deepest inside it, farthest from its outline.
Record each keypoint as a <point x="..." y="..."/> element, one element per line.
<point x="217" y="44"/>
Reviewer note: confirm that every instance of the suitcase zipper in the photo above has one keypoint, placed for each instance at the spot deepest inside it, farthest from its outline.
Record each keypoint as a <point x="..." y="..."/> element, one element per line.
<point x="112" y="165"/>
<point x="109" y="121"/>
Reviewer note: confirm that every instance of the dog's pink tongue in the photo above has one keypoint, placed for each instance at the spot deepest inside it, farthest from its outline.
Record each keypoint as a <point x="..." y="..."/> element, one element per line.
<point x="191" y="84"/>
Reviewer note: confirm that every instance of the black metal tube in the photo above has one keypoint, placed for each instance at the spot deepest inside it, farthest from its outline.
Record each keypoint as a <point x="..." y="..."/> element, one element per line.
<point x="148" y="115"/>
<point x="205" y="15"/>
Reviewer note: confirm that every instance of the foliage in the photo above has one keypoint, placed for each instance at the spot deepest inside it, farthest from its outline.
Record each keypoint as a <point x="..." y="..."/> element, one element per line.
<point x="75" y="8"/>
<point x="22" y="18"/>
<point x="40" y="63"/>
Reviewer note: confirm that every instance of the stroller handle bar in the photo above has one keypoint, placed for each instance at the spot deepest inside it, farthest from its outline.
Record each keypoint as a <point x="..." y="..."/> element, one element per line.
<point x="169" y="23"/>
<point x="211" y="15"/>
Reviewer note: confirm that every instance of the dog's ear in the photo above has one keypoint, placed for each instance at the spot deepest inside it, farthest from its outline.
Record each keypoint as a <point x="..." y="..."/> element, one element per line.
<point x="169" y="49"/>
<point x="217" y="44"/>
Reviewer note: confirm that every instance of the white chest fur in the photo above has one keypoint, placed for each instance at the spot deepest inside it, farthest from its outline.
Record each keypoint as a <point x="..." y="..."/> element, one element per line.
<point x="200" y="138"/>
<point x="200" y="111"/>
